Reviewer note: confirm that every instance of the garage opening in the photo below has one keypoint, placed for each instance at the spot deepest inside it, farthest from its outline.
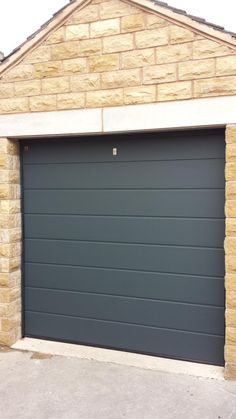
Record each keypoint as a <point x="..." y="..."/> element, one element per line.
<point x="123" y="242"/>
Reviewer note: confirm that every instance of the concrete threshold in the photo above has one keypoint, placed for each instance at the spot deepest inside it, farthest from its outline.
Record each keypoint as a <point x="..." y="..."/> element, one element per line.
<point x="119" y="357"/>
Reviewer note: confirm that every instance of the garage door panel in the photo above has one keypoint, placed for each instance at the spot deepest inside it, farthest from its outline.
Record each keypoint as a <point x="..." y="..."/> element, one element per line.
<point x="187" y="260"/>
<point x="125" y="175"/>
<point x="170" y="343"/>
<point x="185" y="288"/>
<point x="172" y="231"/>
<point x="162" y="314"/>
<point x="180" y="146"/>
<point x="181" y="203"/>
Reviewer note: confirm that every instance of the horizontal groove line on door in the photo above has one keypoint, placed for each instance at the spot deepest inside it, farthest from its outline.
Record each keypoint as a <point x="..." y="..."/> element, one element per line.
<point x="28" y="262"/>
<point x="118" y="161"/>
<point x="129" y="297"/>
<point x="124" y="216"/>
<point x="124" y="243"/>
<point x="125" y="323"/>
<point x="124" y="189"/>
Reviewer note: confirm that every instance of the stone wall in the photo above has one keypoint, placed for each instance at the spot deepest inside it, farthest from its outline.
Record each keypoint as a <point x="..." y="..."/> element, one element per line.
<point x="111" y="53"/>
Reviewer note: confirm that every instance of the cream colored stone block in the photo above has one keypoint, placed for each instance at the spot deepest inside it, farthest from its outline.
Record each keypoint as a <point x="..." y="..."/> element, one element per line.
<point x="27" y="88"/>
<point x="117" y="43"/>
<point x="104" y="28"/>
<point x="70" y="101"/>
<point x="226" y="65"/>
<point x="154" y="21"/>
<point x="231" y="300"/>
<point x="206" y="48"/>
<point x="174" y="91"/>
<point x="74" y="32"/>
<point x="230" y="190"/>
<point x="40" y="54"/>
<point x="230" y="369"/>
<point x="231" y="153"/>
<point x="9" y="207"/>
<point x="14" y="105"/>
<point x="191" y="70"/>
<point x="230" y="336"/>
<point x="178" y="34"/>
<point x="139" y="94"/>
<point x="230" y="317"/>
<point x="230" y="282"/>
<point x="89" y="13"/>
<point x="220" y="86"/>
<point x="4" y="280"/>
<point x="230" y="134"/>
<point x="121" y="78"/>
<point x="55" y="85"/>
<point x="64" y="50"/>
<point x="132" y="23"/>
<point x="6" y="90"/>
<point x="85" y="82"/>
<point x="152" y="38"/>
<point x="105" y="62"/>
<point x="56" y="37"/>
<point x="231" y="226"/>
<point x="230" y="263"/>
<point x="89" y="47"/>
<point x="174" y="53"/>
<point x="114" y="8"/>
<point x="160" y="73"/>
<point x="50" y="69"/>
<point x="230" y="171"/>
<point x="43" y="103"/>
<point x="20" y="72"/>
<point x="74" y="65"/>
<point x="137" y="58"/>
<point x="99" y="98"/>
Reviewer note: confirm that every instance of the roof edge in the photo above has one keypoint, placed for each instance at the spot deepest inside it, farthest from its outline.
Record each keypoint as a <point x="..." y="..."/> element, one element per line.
<point x="147" y="5"/>
<point x="53" y="24"/>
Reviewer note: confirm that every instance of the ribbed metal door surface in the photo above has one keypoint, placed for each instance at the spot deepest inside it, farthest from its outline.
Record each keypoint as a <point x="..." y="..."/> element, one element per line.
<point x="123" y="242"/>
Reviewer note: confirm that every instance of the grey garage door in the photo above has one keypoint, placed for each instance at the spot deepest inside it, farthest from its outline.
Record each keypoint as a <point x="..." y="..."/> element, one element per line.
<point x="125" y="250"/>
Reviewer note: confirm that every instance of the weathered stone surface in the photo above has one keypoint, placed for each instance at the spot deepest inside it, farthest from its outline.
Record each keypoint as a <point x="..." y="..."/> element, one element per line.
<point x="56" y="37"/>
<point x="152" y="38"/>
<point x="50" y="69"/>
<point x="220" y="86"/>
<point x="70" y="101"/>
<point x="40" y="54"/>
<point x="77" y="32"/>
<point x="65" y="50"/>
<point x="231" y="317"/>
<point x="43" y="103"/>
<point x="179" y="34"/>
<point x="14" y="105"/>
<point x="123" y="42"/>
<point x="56" y="85"/>
<point x="230" y="370"/>
<point x="230" y="134"/>
<point x="74" y="65"/>
<point x="132" y="23"/>
<point x="111" y="97"/>
<point x="28" y="88"/>
<point x="231" y="336"/>
<point x="174" y="91"/>
<point x="226" y="66"/>
<point x="154" y="21"/>
<point x="20" y="72"/>
<point x="139" y="58"/>
<point x="173" y="53"/>
<point x="6" y="90"/>
<point x="104" y="28"/>
<point x="104" y="62"/>
<point x="191" y="70"/>
<point x="231" y="152"/>
<point x="89" y="47"/>
<point x="121" y="78"/>
<point x="89" y="13"/>
<point x="206" y="48"/>
<point x="159" y="73"/>
<point x="85" y="82"/>
<point x="139" y="94"/>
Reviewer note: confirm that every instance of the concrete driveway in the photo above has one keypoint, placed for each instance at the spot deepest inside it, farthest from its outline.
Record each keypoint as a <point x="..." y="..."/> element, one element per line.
<point x="34" y="386"/>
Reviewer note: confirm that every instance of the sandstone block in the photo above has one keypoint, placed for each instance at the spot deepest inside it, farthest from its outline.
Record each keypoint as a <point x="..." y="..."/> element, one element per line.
<point x="20" y="72"/>
<point x="231" y="336"/>
<point x="114" y="8"/>
<point x="4" y="279"/>
<point x="231" y="301"/>
<point x="230" y="263"/>
<point x="50" y="69"/>
<point x="14" y="105"/>
<point x="85" y="82"/>
<point x="89" y="47"/>
<point x="230" y="370"/>
<point x="174" y="91"/>
<point x="99" y="98"/>
<point x="206" y="48"/>
<point x="231" y="153"/>
<point x="9" y="207"/>
<point x="231" y="227"/>
<point x="6" y="90"/>
<point x="132" y="23"/>
<point x="178" y="34"/>
<point x="160" y="73"/>
<point x="191" y="70"/>
<point x="230" y="282"/>
<point x="55" y="85"/>
<point x="104" y="28"/>
<point x="139" y="94"/>
<point x="89" y="13"/>
<point x="123" y="42"/>
<point x="230" y="317"/>
<point x="152" y="38"/>
<point x="64" y="50"/>
<point x="43" y="103"/>
<point x="230" y="190"/>
<point x="56" y="37"/>
<point x="27" y="88"/>
<point x="74" y="65"/>
<point x="226" y="65"/>
<point x="40" y="54"/>
<point x="70" y="101"/>
<point x="77" y="32"/>
<point x="230" y="171"/>
<point x="174" y="53"/>
<point x="230" y="134"/>
<point x="220" y="86"/>
<point x="137" y="58"/>
<point x="121" y="78"/>
<point x="154" y="21"/>
<point x="104" y="62"/>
